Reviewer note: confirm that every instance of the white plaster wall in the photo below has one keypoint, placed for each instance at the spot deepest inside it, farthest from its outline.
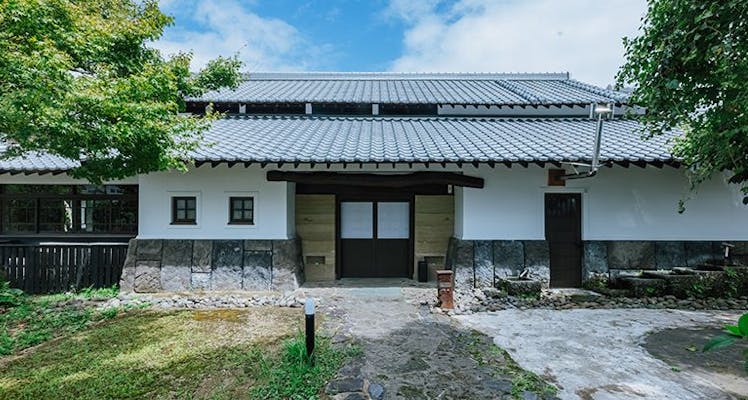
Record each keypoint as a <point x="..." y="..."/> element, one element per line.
<point x="618" y="204"/>
<point x="213" y="187"/>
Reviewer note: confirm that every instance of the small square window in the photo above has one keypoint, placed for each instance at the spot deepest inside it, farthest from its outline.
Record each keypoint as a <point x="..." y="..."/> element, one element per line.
<point x="242" y="210"/>
<point x="184" y="210"/>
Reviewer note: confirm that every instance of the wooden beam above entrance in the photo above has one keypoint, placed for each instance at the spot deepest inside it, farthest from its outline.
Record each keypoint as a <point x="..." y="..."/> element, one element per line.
<point x="377" y="180"/>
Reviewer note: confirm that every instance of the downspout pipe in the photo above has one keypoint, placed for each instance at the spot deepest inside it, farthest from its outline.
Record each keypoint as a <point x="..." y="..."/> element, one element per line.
<point x="595" y="166"/>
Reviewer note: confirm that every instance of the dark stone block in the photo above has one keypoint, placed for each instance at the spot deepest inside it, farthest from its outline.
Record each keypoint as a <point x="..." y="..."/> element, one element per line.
<point x="679" y="285"/>
<point x="464" y="273"/>
<point x="537" y="254"/>
<point x="699" y="253"/>
<point x="594" y="259"/>
<point x="258" y="245"/>
<point x="670" y="254"/>
<point x="464" y="254"/>
<point x="149" y="249"/>
<point x="227" y="253"/>
<point x="286" y="253"/>
<point x="508" y="257"/>
<point x="739" y="253"/>
<point x="449" y="261"/>
<point x="127" y="280"/>
<point x="287" y="264"/>
<point x="202" y="255"/>
<point x="257" y="270"/>
<point x="521" y="287"/>
<point x="344" y="385"/>
<point x="176" y="278"/>
<point x="631" y="255"/>
<point x="645" y="287"/>
<point x="147" y="276"/>
<point x="177" y="253"/>
<point x="483" y="262"/>
<point x="227" y="277"/>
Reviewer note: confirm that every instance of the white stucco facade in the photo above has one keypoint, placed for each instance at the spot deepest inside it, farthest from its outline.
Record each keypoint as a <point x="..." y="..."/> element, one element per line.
<point x="617" y="204"/>
<point x="273" y="204"/>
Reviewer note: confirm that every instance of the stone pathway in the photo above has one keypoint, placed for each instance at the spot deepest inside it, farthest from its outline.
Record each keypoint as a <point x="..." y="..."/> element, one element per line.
<point x="599" y="354"/>
<point x="409" y="352"/>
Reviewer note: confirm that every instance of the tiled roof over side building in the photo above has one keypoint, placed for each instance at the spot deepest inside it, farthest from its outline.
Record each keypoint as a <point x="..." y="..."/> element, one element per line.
<point x="406" y="88"/>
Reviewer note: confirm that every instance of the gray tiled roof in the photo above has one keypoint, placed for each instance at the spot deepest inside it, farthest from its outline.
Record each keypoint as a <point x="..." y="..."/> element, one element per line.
<point x="409" y="88"/>
<point x="432" y="139"/>
<point x="36" y="161"/>
<point x="306" y="139"/>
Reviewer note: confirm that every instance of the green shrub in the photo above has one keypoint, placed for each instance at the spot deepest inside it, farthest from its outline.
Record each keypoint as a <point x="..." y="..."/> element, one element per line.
<point x="9" y="296"/>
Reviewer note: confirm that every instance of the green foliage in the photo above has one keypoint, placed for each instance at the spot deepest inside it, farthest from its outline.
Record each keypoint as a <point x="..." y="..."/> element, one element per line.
<point x="732" y="281"/>
<point x="733" y="333"/>
<point x="697" y="290"/>
<point x="29" y="320"/>
<point x="690" y="70"/>
<point x="9" y="296"/>
<point x="291" y="376"/>
<point x="79" y="80"/>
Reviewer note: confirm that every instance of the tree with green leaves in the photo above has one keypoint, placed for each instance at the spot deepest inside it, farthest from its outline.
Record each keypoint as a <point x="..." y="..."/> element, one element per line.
<point x="78" y="80"/>
<point x="689" y="68"/>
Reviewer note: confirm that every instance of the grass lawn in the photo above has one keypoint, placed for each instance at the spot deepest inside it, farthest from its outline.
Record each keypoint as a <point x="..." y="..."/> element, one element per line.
<point x="26" y="321"/>
<point x="216" y="354"/>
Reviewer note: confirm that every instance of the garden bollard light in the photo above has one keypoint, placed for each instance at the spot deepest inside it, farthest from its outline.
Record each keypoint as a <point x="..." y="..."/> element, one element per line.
<point x="309" y="317"/>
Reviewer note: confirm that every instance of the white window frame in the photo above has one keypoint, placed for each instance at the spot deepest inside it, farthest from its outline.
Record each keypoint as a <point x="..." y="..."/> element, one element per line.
<point x="254" y="194"/>
<point x="198" y="208"/>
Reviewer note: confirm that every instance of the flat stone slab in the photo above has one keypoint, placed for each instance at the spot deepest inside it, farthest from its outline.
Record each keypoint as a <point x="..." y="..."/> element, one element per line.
<point x="597" y="354"/>
<point x="409" y="352"/>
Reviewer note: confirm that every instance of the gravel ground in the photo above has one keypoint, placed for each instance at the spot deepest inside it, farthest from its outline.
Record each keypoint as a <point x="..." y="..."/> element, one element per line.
<point x="599" y="354"/>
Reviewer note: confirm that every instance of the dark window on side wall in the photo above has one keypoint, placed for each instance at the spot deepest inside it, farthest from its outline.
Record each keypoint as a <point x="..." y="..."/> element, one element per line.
<point x="68" y="209"/>
<point x="184" y="210"/>
<point x="242" y="210"/>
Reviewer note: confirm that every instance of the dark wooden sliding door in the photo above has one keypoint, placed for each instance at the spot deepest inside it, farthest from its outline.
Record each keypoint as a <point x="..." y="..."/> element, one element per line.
<point x="374" y="238"/>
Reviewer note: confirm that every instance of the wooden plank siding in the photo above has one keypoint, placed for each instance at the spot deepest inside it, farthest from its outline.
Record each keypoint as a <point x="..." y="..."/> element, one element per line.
<point x="315" y="225"/>
<point x="434" y="225"/>
<point x="56" y="268"/>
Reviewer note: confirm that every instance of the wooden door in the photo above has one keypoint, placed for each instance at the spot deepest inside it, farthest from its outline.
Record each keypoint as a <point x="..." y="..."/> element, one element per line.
<point x="563" y="231"/>
<point x="374" y="238"/>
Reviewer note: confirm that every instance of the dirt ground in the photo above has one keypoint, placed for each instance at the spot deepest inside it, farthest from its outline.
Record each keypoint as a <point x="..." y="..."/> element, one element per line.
<point x="681" y="349"/>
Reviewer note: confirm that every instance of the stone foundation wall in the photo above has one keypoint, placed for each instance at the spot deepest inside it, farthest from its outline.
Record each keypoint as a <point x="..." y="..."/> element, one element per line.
<point x="619" y="257"/>
<point x="479" y="263"/>
<point x="155" y="265"/>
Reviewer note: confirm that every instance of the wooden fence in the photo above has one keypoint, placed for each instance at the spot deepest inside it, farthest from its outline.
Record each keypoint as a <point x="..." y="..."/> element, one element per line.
<point x="42" y="268"/>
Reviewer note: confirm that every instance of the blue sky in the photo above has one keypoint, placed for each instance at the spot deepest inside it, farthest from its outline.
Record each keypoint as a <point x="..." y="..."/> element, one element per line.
<point x="579" y="36"/>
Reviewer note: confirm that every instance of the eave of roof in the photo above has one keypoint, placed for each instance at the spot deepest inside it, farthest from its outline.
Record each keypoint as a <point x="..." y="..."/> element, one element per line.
<point x="315" y="140"/>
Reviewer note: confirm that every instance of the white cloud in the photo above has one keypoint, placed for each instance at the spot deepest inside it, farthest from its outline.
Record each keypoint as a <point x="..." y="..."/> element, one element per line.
<point x="223" y="28"/>
<point x="582" y="37"/>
